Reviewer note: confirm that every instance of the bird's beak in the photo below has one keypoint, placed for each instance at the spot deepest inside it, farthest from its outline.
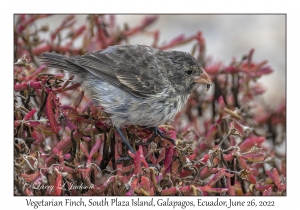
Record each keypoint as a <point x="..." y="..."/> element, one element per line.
<point x="204" y="79"/>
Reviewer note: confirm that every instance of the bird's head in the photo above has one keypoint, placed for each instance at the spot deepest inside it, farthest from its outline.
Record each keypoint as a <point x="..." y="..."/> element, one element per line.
<point x="185" y="72"/>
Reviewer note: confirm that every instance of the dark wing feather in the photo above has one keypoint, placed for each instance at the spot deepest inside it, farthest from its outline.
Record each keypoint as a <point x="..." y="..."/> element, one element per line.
<point x="97" y="68"/>
<point x="132" y="68"/>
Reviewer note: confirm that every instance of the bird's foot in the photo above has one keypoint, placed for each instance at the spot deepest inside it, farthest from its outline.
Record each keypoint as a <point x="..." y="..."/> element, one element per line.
<point x="157" y="132"/>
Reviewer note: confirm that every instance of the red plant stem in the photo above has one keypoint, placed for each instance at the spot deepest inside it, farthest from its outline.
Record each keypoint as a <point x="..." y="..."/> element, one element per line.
<point x="100" y="33"/>
<point x="24" y="85"/>
<point x="40" y="49"/>
<point x="96" y="147"/>
<point x="20" y="87"/>
<point x="64" y="145"/>
<point x="169" y="157"/>
<point x="251" y="178"/>
<point x="267" y="192"/>
<point x="263" y="187"/>
<point x="98" y="190"/>
<point x="228" y="157"/>
<point x="86" y="153"/>
<point x="85" y="172"/>
<point x="78" y="99"/>
<point x="254" y="157"/>
<point x="50" y="113"/>
<point x="36" y="85"/>
<point x="161" y="156"/>
<point x="78" y="32"/>
<point x="206" y="172"/>
<point x="179" y="40"/>
<point x="17" y="123"/>
<point x="100" y="153"/>
<point x="66" y="83"/>
<point x="216" y="177"/>
<point x="250" y="142"/>
<point x="36" y="72"/>
<point x="31" y="177"/>
<point x="276" y="179"/>
<point x="59" y="49"/>
<point x="70" y="125"/>
<point x="58" y="184"/>
<point x="67" y="22"/>
<point x="137" y="162"/>
<point x="142" y="157"/>
<point x="29" y="114"/>
<point x="210" y="135"/>
<point x="145" y="22"/>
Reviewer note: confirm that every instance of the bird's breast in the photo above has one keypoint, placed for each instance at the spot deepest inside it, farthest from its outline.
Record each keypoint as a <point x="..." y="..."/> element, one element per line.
<point x="126" y="109"/>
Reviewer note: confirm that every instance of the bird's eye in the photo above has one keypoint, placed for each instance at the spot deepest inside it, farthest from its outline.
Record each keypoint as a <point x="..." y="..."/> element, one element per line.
<point x="189" y="72"/>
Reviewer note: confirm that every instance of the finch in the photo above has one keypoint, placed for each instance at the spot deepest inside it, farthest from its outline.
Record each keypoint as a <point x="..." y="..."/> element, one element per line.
<point x="135" y="84"/>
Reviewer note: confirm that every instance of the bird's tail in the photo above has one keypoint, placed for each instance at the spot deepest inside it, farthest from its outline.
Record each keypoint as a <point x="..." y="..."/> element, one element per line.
<point x="61" y="62"/>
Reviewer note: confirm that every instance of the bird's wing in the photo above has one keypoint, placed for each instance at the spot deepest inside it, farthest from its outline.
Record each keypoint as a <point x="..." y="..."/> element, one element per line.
<point x="132" y="68"/>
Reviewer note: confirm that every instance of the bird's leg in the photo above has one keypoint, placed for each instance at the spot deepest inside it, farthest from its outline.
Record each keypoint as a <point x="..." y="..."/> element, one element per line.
<point x="157" y="132"/>
<point x="125" y="141"/>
